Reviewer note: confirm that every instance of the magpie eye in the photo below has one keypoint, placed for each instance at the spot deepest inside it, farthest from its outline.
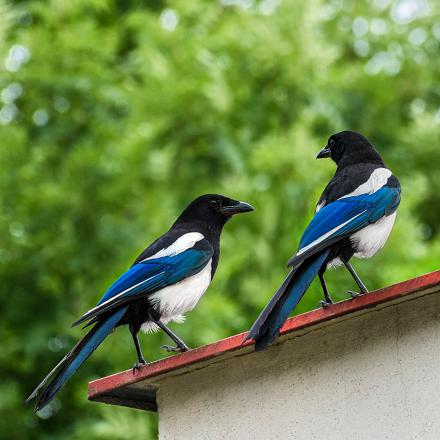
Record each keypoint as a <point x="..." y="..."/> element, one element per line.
<point x="214" y="204"/>
<point x="331" y="143"/>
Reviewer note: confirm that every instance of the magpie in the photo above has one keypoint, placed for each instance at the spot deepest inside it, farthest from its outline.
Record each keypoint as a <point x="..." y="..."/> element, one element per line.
<point x="165" y="281"/>
<point x="354" y="216"/>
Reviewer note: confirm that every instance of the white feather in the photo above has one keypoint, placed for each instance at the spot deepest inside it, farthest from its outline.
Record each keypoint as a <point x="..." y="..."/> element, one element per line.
<point x="370" y="240"/>
<point x="375" y="182"/>
<point x="373" y="237"/>
<point x="333" y="264"/>
<point x="186" y="241"/>
<point x="173" y="301"/>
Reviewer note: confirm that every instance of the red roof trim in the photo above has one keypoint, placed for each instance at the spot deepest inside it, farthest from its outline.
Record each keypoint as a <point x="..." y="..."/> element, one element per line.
<point x="108" y="384"/>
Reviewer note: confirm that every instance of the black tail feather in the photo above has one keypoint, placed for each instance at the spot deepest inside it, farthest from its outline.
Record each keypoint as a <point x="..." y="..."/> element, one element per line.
<point x="55" y="380"/>
<point x="267" y="326"/>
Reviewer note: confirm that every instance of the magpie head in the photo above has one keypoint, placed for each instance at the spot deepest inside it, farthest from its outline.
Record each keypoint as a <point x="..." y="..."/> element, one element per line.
<point x="348" y="148"/>
<point x="213" y="209"/>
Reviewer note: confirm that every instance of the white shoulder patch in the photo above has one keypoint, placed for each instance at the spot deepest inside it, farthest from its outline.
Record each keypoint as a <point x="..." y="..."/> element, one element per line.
<point x="183" y="243"/>
<point x="375" y="182"/>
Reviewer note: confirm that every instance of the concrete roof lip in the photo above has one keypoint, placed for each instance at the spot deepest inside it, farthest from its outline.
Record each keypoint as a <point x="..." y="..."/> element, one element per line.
<point x="104" y="389"/>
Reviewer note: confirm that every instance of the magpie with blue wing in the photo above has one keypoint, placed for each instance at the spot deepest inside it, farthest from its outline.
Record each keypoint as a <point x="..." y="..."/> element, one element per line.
<point x="354" y="216"/>
<point x="167" y="280"/>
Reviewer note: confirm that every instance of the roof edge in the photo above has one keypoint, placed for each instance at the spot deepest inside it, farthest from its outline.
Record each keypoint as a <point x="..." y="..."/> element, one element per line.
<point x="101" y="389"/>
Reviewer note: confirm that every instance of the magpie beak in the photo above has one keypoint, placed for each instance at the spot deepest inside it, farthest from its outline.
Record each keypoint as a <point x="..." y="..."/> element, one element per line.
<point x="325" y="152"/>
<point x="236" y="208"/>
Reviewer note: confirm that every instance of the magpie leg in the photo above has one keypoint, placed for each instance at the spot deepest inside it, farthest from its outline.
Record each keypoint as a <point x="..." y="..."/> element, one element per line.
<point x="328" y="300"/>
<point x="355" y="276"/>
<point x="141" y="361"/>
<point x="180" y="345"/>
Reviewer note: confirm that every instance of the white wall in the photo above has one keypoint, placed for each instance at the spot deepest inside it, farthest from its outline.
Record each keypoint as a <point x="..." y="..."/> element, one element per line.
<point x="373" y="377"/>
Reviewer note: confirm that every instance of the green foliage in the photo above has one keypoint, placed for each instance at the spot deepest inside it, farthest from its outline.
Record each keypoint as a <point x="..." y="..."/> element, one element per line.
<point x="116" y="113"/>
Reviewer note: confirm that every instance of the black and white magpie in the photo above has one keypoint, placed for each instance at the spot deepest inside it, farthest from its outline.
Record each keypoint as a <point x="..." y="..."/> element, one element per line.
<point x="165" y="281"/>
<point x="354" y="216"/>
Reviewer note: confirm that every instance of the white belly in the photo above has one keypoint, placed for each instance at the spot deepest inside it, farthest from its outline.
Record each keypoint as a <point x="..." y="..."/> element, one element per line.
<point x="173" y="301"/>
<point x="373" y="237"/>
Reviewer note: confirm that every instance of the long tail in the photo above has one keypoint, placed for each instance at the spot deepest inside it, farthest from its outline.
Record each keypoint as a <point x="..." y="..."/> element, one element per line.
<point x="62" y="372"/>
<point x="267" y="326"/>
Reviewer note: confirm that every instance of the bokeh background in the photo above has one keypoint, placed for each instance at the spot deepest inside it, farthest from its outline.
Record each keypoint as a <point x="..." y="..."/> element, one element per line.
<point x="115" y="114"/>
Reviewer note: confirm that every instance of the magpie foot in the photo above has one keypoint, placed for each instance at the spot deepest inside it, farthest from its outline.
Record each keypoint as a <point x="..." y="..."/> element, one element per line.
<point x="171" y="349"/>
<point x="355" y="294"/>
<point x="139" y="364"/>
<point x="325" y="304"/>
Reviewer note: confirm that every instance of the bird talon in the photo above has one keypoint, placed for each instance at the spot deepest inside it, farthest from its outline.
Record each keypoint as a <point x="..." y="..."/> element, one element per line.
<point x="325" y="304"/>
<point x="138" y="365"/>
<point x="354" y="294"/>
<point x="172" y="349"/>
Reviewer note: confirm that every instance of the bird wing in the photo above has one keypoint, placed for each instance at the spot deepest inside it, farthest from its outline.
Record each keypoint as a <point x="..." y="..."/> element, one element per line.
<point x="149" y="276"/>
<point x="344" y="217"/>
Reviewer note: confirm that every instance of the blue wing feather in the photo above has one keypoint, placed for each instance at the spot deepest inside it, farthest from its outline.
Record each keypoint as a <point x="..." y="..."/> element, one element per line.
<point x="344" y="217"/>
<point x="148" y="276"/>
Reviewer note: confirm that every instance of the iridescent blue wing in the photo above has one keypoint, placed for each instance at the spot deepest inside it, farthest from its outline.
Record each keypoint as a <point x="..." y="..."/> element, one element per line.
<point x="149" y="276"/>
<point x="344" y="217"/>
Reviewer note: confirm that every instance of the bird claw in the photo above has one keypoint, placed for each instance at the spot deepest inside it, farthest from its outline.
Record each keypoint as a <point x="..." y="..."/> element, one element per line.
<point x="355" y="294"/>
<point x="171" y="349"/>
<point x="138" y="365"/>
<point x="325" y="304"/>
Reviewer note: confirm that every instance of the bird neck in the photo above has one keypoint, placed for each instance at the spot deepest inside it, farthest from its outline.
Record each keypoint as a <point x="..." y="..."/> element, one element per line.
<point x="372" y="158"/>
<point x="212" y="232"/>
